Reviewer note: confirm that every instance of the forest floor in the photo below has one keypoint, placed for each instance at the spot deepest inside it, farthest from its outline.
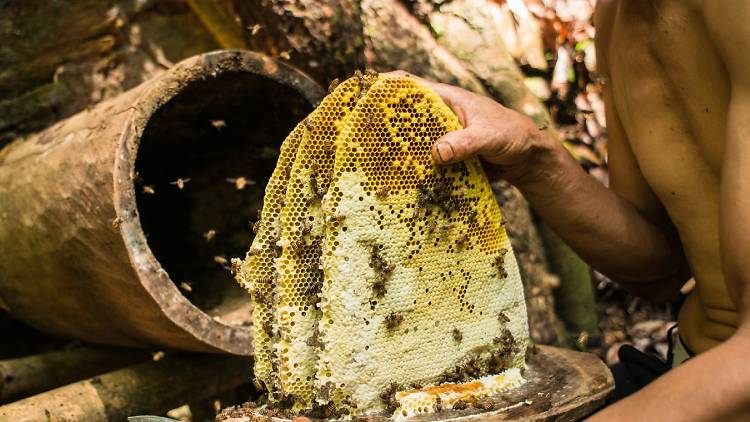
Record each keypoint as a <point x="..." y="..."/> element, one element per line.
<point x="553" y="43"/>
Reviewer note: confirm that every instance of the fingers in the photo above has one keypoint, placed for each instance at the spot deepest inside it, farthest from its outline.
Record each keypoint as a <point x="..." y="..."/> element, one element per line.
<point x="456" y="146"/>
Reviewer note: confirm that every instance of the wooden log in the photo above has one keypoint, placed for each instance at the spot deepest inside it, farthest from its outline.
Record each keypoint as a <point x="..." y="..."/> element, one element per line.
<point x="397" y="40"/>
<point x="147" y="388"/>
<point x="561" y="385"/>
<point x="58" y="58"/>
<point x="76" y="260"/>
<point x="323" y="38"/>
<point x="468" y="29"/>
<point x="23" y="377"/>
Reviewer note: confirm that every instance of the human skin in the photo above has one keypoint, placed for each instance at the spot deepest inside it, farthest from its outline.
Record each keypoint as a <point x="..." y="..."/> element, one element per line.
<point x="677" y="93"/>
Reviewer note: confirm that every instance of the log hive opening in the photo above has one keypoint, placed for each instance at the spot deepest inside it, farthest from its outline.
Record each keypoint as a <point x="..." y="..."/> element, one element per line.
<point x="201" y="168"/>
<point x="105" y="217"/>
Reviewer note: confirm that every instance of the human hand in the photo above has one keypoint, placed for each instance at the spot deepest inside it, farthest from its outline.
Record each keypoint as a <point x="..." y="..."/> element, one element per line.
<point x="503" y="138"/>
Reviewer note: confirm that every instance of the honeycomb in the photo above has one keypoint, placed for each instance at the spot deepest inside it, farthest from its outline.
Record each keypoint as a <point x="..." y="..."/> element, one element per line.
<point x="299" y="270"/>
<point x="258" y="274"/>
<point x="394" y="273"/>
<point x="419" y="285"/>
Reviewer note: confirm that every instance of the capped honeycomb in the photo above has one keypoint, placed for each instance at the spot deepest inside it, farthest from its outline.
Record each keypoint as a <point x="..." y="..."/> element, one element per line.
<point x="419" y="285"/>
<point x="299" y="269"/>
<point x="379" y="275"/>
<point x="258" y="274"/>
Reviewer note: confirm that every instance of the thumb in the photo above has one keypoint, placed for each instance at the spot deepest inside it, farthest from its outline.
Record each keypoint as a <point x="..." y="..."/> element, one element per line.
<point x="456" y="146"/>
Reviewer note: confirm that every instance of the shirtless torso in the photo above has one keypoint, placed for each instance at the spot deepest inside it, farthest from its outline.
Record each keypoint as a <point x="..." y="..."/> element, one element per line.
<point x="667" y="94"/>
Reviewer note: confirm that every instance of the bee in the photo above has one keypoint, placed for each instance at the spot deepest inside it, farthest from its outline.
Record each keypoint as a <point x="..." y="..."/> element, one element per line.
<point x="438" y="404"/>
<point x="220" y="260"/>
<point x="473" y="216"/>
<point x="256" y="226"/>
<point x="186" y="287"/>
<point x="333" y="85"/>
<point x="457" y="335"/>
<point x="305" y="228"/>
<point x="149" y="190"/>
<point x="378" y="262"/>
<point x="308" y="125"/>
<point x="116" y="223"/>
<point x="502" y="317"/>
<point x="506" y="341"/>
<point x="236" y="265"/>
<point x="459" y="405"/>
<point x="358" y="74"/>
<point x="240" y="182"/>
<point x="268" y="329"/>
<point x="382" y="191"/>
<point x="368" y="119"/>
<point x="378" y="286"/>
<point x="484" y="404"/>
<point x="180" y="182"/>
<point x="500" y="259"/>
<point x="254" y="250"/>
<point x="310" y="199"/>
<point x="156" y="357"/>
<point x="393" y="320"/>
<point x="582" y="339"/>
<point x="314" y="339"/>
<point x="218" y="124"/>
<point x="339" y="218"/>
<point x="431" y="226"/>
<point x="371" y="74"/>
<point x="296" y="246"/>
<point x="446" y="227"/>
<point x="461" y="240"/>
<point x="255" y="28"/>
<point x="209" y="235"/>
<point x="388" y="396"/>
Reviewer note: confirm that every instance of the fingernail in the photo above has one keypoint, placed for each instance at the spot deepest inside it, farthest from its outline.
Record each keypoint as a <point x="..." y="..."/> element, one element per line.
<point x="445" y="151"/>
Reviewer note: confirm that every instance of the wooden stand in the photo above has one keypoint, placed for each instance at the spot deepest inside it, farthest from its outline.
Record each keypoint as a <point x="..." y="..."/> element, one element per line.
<point x="562" y="385"/>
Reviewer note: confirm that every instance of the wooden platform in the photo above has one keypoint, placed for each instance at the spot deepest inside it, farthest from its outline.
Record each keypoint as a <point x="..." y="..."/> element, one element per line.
<point x="562" y="385"/>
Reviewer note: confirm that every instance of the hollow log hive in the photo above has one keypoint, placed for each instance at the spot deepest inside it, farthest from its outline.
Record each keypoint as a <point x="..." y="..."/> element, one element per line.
<point x="380" y="281"/>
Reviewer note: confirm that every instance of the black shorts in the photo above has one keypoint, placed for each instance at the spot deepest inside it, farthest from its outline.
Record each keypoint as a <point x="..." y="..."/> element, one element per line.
<point x="637" y="369"/>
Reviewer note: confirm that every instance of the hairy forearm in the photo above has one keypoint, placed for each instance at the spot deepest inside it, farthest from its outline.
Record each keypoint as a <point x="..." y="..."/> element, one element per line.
<point x="605" y="229"/>
<point x="713" y="386"/>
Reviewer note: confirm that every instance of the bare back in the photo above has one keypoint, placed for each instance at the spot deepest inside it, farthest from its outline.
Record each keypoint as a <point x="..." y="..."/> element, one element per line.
<point x="667" y="95"/>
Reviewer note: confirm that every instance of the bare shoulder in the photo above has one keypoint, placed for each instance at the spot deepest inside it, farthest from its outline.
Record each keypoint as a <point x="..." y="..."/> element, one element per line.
<point x="727" y="23"/>
<point x="604" y="18"/>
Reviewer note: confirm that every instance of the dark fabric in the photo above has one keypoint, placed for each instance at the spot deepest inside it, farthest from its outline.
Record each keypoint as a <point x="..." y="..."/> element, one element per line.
<point x="634" y="371"/>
